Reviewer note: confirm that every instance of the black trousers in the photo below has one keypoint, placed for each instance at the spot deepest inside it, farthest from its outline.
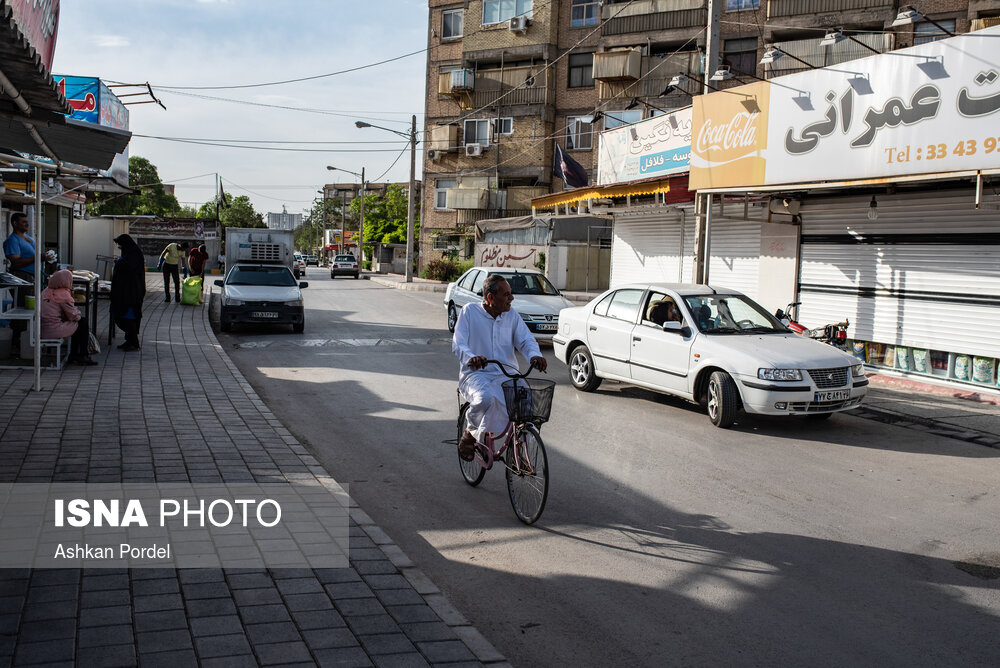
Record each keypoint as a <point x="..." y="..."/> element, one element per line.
<point x="80" y="340"/>
<point x="131" y="328"/>
<point x="168" y="271"/>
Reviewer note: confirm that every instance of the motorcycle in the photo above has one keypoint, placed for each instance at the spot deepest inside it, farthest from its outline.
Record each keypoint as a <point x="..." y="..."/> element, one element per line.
<point x="834" y="334"/>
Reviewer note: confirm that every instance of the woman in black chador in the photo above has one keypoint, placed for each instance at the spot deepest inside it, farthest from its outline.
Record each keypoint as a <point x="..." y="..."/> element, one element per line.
<point x="128" y="289"/>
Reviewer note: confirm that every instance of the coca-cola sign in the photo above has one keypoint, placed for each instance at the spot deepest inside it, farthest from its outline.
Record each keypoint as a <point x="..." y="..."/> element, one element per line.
<point x="730" y="136"/>
<point x="39" y="21"/>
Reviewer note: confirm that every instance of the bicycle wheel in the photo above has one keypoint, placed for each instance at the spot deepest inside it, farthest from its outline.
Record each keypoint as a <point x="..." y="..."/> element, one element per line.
<point x="528" y="479"/>
<point x="472" y="471"/>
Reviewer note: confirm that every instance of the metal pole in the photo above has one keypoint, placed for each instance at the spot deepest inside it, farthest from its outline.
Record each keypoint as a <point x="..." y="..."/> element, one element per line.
<point x="361" y="226"/>
<point x="409" y="203"/>
<point x="36" y="320"/>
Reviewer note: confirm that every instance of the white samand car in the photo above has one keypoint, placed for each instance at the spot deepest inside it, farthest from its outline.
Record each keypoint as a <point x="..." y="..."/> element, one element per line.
<point x="536" y="300"/>
<point x="261" y="293"/>
<point x="717" y="348"/>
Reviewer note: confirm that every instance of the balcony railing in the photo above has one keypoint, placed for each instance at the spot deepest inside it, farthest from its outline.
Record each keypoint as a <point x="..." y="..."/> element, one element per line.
<point x="656" y="73"/>
<point x="651" y="15"/>
<point x="515" y="85"/>
<point x="813" y="53"/>
<point x="777" y="8"/>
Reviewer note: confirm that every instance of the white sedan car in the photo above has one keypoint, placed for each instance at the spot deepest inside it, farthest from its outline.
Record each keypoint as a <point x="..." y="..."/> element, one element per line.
<point x="536" y="300"/>
<point x="715" y="347"/>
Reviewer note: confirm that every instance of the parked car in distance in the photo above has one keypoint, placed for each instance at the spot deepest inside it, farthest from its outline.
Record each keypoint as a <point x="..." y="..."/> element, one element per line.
<point x="298" y="264"/>
<point x="536" y="300"/>
<point x="311" y="260"/>
<point x="344" y="265"/>
<point x="713" y="346"/>
<point x="256" y="293"/>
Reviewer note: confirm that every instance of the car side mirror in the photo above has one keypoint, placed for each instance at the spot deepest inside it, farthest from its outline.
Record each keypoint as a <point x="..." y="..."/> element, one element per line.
<point x="679" y="327"/>
<point x="219" y="283"/>
<point x="304" y="284"/>
<point x="479" y="292"/>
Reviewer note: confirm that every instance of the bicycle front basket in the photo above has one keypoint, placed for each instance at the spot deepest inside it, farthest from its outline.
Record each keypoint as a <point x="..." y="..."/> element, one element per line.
<point x="529" y="399"/>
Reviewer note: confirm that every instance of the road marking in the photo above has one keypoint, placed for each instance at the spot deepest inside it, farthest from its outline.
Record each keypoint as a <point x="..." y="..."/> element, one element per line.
<point x="352" y="343"/>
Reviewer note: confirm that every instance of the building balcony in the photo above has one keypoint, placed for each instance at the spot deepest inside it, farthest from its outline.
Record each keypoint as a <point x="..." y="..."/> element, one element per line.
<point x="813" y="53"/>
<point x="654" y="76"/>
<point x="652" y="15"/>
<point x="780" y="8"/>
<point x="514" y="86"/>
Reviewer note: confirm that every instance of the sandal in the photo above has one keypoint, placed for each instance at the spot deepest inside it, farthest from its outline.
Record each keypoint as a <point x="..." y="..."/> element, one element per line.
<point x="467" y="447"/>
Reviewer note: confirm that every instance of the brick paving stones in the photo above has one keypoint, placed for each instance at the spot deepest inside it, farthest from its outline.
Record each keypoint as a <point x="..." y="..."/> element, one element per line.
<point x="180" y="411"/>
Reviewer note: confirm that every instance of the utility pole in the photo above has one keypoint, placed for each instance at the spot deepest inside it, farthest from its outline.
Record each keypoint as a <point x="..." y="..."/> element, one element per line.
<point x="361" y="226"/>
<point x="703" y="203"/>
<point x="409" y="203"/>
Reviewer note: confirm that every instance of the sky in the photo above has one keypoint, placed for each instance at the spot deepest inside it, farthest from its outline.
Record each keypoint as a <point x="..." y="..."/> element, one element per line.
<point x="213" y="43"/>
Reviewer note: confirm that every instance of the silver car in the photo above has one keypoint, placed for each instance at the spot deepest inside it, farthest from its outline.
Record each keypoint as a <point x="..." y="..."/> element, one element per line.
<point x="536" y="300"/>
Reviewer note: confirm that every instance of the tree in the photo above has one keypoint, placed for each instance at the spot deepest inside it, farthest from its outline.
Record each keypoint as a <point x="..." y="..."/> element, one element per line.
<point x="237" y="212"/>
<point x="150" y="200"/>
<point x="325" y="213"/>
<point x="385" y="217"/>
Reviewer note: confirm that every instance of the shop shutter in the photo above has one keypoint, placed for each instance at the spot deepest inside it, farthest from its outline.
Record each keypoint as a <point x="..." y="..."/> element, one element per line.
<point x="735" y="255"/>
<point x="925" y="273"/>
<point x="653" y="245"/>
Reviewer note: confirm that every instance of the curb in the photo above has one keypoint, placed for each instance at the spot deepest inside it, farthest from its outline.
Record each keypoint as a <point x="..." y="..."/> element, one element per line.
<point x="415" y="286"/>
<point x="928" y="425"/>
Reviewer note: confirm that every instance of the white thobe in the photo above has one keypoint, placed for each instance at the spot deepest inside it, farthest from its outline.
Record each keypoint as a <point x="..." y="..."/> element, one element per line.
<point x="478" y="334"/>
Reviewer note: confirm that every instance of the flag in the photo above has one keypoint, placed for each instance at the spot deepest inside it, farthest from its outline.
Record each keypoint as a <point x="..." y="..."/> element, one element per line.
<point x="222" y="197"/>
<point x="569" y="170"/>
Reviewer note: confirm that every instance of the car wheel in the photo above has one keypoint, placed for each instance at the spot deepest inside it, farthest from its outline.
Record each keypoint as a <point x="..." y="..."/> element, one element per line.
<point x="356" y="276"/>
<point x="299" y="327"/>
<point x="452" y="318"/>
<point x="333" y="275"/>
<point x="581" y="370"/>
<point x="225" y="325"/>
<point x="723" y="401"/>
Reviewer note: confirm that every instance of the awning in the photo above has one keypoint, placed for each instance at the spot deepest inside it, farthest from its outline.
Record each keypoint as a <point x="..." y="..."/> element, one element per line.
<point x="31" y="109"/>
<point x="644" y="187"/>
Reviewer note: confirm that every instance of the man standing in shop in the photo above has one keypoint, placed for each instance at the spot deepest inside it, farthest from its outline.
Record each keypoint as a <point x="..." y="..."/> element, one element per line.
<point x="172" y="256"/>
<point x="20" y="251"/>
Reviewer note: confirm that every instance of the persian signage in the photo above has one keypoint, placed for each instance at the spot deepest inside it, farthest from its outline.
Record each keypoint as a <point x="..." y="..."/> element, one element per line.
<point x="927" y="109"/>
<point x="39" y="21"/>
<point x="657" y="146"/>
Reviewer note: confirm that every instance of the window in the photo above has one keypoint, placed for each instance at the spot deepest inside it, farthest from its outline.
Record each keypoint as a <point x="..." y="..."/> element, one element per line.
<point x="741" y="5"/>
<point x="451" y="23"/>
<point x="928" y="32"/>
<point x="497" y="11"/>
<point x="616" y="119"/>
<point x="503" y="126"/>
<point x="579" y="133"/>
<point x="625" y="305"/>
<point x="477" y="284"/>
<point x="467" y="280"/>
<point x="447" y="242"/>
<point x="741" y="55"/>
<point x="581" y="70"/>
<point x="584" y="13"/>
<point x="477" y="131"/>
<point x="441" y="192"/>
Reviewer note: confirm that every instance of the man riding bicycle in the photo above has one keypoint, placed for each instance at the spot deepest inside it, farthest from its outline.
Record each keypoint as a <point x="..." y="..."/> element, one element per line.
<point x="489" y="331"/>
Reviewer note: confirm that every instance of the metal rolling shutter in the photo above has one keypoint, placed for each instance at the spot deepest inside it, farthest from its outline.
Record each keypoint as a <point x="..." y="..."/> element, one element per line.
<point x="926" y="273"/>
<point x="735" y="255"/>
<point x="652" y="245"/>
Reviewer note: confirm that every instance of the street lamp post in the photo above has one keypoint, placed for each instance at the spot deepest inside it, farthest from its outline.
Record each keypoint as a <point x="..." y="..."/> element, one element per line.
<point x="412" y="138"/>
<point x="361" y="223"/>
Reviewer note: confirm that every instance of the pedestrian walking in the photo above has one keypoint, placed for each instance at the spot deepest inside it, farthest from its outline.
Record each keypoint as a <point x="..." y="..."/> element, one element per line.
<point x="172" y="256"/>
<point x="197" y="262"/>
<point x="128" y="289"/>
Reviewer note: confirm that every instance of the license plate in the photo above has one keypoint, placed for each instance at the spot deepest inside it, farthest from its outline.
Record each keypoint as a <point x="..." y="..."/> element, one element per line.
<point x="263" y="314"/>
<point x="833" y="395"/>
<point x="547" y="327"/>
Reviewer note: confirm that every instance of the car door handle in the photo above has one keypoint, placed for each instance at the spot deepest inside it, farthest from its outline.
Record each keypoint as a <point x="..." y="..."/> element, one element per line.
<point x="636" y="338"/>
<point x="593" y="328"/>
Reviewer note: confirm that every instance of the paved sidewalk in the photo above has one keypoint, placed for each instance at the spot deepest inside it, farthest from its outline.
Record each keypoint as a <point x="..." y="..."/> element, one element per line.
<point x="180" y="411"/>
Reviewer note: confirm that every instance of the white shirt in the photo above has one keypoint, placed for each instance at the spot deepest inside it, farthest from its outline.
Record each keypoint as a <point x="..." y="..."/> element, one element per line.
<point x="477" y="333"/>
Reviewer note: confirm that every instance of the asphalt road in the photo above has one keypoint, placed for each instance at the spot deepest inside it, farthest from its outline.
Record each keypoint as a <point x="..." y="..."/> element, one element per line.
<point x="665" y="541"/>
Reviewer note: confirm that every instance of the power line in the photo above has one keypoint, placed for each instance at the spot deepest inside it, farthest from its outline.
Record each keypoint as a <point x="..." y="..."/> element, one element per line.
<point x="287" y="81"/>
<point x="264" y="141"/>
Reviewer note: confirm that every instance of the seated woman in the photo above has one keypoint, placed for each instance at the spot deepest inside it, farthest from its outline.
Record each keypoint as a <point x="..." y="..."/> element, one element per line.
<point x="61" y="318"/>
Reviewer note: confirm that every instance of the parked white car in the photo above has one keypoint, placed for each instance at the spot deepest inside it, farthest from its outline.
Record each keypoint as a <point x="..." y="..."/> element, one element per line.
<point x="298" y="264"/>
<point x="536" y="300"/>
<point x="715" y="347"/>
<point x="258" y="293"/>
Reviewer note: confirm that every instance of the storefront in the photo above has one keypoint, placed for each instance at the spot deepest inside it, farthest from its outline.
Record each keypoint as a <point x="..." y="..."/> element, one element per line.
<point x="887" y="170"/>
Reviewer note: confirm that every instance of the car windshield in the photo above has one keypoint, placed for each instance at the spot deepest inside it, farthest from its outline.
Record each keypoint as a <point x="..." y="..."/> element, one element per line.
<point x="277" y="276"/>
<point x="344" y="258"/>
<point x="527" y="283"/>
<point x="732" y="314"/>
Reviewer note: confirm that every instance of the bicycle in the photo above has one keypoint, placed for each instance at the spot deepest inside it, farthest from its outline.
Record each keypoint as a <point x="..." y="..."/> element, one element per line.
<point x="529" y="402"/>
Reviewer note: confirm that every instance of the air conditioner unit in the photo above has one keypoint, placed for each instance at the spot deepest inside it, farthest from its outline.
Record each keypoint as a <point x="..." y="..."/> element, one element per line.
<point x="518" y="24"/>
<point x="473" y="150"/>
<point x="433" y="154"/>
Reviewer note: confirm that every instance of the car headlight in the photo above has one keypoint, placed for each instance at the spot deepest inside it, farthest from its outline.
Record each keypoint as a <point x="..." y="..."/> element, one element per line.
<point x="858" y="370"/>
<point x="294" y="302"/>
<point x="779" y="374"/>
<point x="228" y="301"/>
<point x="526" y="318"/>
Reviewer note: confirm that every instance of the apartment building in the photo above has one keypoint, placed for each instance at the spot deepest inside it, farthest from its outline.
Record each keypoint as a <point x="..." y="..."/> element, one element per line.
<point x="508" y="79"/>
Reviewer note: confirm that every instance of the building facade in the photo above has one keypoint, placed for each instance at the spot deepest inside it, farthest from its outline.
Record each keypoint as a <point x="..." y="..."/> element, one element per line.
<point x="506" y="81"/>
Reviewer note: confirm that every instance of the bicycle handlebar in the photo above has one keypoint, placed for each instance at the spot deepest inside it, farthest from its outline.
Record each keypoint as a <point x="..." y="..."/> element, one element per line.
<point x="500" y="364"/>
